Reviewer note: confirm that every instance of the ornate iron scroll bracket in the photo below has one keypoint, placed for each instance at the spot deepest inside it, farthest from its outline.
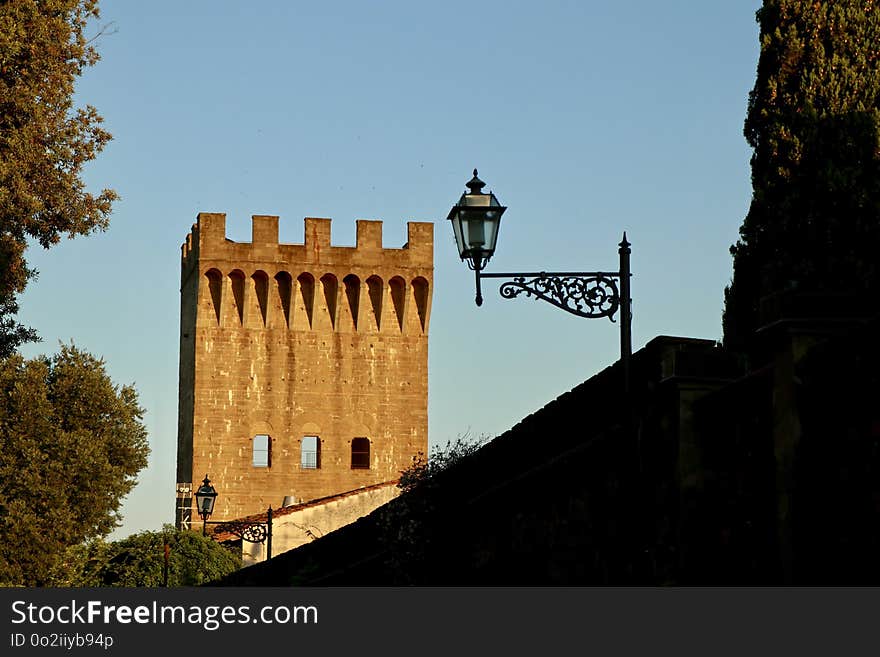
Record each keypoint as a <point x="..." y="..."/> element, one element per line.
<point x="248" y="531"/>
<point x="585" y="294"/>
<point x="252" y="531"/>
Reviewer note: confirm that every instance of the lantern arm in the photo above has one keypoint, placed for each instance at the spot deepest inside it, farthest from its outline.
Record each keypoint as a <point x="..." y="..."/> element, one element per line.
<point x="591" y="294"/>
<point x="252" y="532"/>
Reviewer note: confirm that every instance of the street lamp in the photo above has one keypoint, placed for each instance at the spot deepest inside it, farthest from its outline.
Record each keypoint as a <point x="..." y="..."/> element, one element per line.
<point x="206" y="495"/>
<point x="252" y="531"/>
<point x="476" y="221"/>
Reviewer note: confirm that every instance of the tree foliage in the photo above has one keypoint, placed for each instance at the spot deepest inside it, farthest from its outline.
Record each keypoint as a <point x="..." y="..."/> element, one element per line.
<point x="423" y="470"/>
<point x="71" y="444"/>
<point x="44" y="141"/>
<point x="139" y="560"/>
<point x="814" y="124"/>
<point x="408" y="522"/>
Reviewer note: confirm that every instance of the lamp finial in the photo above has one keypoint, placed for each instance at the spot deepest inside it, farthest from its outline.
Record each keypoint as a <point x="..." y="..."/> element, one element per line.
<point x="475" y="185"/>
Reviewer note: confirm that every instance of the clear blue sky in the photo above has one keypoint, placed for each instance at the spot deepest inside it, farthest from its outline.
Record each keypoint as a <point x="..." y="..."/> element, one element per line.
<point x="585" y="118"/>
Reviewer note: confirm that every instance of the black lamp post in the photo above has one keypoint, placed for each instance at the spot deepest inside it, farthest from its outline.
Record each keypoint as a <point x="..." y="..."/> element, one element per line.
<point x="476" y="221"/>
<point x="206" y="495"/>
<point x="255" y="531"/>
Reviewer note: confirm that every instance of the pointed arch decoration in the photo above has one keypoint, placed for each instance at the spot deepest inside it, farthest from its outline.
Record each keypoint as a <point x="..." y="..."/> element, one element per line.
<point x="398" y="298"/>
<point x="261" y="290"/>
<point x="375" y="290"/>
<point x="331" y="290"/>
<point x="352" y="286"/>
<point x="420" y="296"/>
<point x="236" y="278"/>
<point x="284" y="284"/>
<point x="307" y="292"/>
<point x="215" y="287"/>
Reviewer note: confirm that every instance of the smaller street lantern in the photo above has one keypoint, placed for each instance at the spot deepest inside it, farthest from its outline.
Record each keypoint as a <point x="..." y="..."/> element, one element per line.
<point x="476" y="219"/>
<point x="205" y="497"/>
<point x="252" y="531"/>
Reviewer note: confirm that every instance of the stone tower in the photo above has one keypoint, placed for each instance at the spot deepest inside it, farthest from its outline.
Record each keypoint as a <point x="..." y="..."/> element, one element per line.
<point x="303" y="367"/>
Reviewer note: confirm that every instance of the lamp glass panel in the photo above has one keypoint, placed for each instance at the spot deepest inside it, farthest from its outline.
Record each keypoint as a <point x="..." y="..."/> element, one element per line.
<point x="477" y="200"/>
<point x="205" y="497"/>
<point x="459" y="241"/>
<point x="490" y="229"/>
<point x="476" y="232"/>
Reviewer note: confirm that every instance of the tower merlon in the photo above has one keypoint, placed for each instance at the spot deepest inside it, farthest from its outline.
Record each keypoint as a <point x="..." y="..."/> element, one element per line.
<point x="369" y="234"/>
<point x="264" y="229"/>
<point x="187" y="246"/>
<point x="211" y="227"/>
<point x="317" y="234"/>
<point x="420" y="238"/>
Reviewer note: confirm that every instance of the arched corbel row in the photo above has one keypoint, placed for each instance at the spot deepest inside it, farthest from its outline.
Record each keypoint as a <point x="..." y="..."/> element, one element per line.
<point x="280" y="300"/>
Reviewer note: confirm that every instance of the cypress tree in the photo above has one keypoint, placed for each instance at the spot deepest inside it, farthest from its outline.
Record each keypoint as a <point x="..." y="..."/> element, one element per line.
<point x="814" y="123"/>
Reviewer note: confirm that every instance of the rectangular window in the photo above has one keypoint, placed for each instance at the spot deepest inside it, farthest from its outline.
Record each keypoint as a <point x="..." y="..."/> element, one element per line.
<point x="310" y="455"/>
<point x="262" y="451"/>
<point x="360" y="454"/>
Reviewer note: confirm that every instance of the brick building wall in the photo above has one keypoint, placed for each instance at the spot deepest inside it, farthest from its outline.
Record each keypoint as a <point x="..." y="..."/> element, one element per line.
<point x="285" y="342"/>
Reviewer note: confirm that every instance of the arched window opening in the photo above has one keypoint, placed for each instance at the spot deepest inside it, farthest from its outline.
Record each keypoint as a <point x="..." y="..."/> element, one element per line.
<point x="360" y="454"/>
<point x="310" y="454"/>
<point x="262" y="456"/>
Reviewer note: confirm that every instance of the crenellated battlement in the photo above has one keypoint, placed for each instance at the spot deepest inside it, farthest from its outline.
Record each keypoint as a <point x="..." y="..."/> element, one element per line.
<point x="310" y="286"/>
<point x="207" y="241"/>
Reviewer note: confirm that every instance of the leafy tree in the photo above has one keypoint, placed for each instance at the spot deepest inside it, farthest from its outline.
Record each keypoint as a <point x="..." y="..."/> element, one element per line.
<point x="814" y="124"/>
<point x="44" y="141"/>
<point x="139" y="560"/>
<point x="71" y="444"/>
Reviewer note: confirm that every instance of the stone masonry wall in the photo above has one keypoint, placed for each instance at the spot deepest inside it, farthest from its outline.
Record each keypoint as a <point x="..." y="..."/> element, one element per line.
<point x="296" y="340"/>
<point x="303" y="523"/>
